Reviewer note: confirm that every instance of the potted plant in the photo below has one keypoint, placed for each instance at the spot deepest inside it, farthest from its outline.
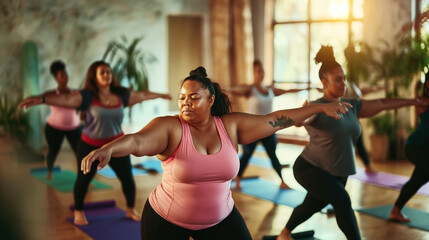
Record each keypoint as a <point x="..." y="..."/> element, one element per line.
<point x="12" y="120"/>
<point x="383" y="136"/>
<point x="396" y="64"/>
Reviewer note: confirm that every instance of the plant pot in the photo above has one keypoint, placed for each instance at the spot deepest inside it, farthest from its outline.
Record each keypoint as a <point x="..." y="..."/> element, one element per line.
<point x="379" y="147"/>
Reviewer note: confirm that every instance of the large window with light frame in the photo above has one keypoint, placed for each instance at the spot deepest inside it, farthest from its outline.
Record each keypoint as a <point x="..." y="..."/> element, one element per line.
<point x="300" y="28"/>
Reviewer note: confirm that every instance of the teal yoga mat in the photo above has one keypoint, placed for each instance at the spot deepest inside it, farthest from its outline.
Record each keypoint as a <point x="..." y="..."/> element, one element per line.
<point x="109" y="173"/>
<point x="419" y="219"/>
<point x="63" y="180"/>
<point x="270" y="191"/>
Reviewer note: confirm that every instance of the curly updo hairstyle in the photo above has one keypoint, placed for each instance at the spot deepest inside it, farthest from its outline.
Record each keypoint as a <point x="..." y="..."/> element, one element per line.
<point x="57" y="66"/>
<point x="326" y="57"/>
<point x="222" y="104"/>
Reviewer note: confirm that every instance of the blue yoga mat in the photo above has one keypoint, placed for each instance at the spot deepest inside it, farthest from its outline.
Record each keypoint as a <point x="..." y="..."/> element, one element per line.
<point x="153" y="164"/>
<point x="270" y="191"/>
<point x="109" y="173"/>
<point x="259" y="161"/>
<point x="419" y="219"/>
<point x="108" y="222"/>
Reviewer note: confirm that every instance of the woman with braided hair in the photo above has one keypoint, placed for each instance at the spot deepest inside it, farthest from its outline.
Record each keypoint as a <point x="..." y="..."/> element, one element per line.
<point x="198" y="150"/>
<point x="329" y="158"/>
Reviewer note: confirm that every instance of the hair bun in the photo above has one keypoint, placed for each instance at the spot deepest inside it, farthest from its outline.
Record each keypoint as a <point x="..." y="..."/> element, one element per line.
<point x="199" y="71"/>
<point x="325" y="55"/>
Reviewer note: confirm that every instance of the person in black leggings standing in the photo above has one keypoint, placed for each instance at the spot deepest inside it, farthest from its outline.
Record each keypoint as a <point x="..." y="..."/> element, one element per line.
<point x="417" y="151"/>
<point x="329" y="158"/>
<point x="61" y="121"/>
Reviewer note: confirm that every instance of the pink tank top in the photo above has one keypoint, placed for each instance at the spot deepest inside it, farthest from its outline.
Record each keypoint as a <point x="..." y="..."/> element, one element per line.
<point x="195" y="189"/>
<point x="63" y="118"/>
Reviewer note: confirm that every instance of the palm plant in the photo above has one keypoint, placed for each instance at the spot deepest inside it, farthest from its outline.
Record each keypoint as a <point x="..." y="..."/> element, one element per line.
<point x="12" y="119"/>
<point x="129" y="63"/>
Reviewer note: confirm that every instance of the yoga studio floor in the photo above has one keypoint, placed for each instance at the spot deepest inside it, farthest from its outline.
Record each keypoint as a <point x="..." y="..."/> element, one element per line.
<point x="38" y="211"/>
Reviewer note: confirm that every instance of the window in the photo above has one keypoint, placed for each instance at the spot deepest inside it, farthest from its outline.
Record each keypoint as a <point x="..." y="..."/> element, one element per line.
<point x="300" y="28"/>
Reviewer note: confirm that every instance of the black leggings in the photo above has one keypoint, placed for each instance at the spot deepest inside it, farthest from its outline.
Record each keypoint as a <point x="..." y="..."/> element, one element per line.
<point x="270" y="144"/>
<point x="154" y="227"/>
<point x="419" y="156"/>
<point x="361" y="150"/>
<point x="54" y="138"/>
<point x="322" y="189"/>
<point x="121" y="166"/>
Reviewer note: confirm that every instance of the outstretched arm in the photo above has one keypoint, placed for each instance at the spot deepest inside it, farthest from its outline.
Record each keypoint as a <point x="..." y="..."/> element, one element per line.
<point x="68" y="100"/>
<point x="151" y="140"/>
<point x="240" y="90"/>
<point x="280" y="91"/>
<point x="372" y="107"/>
<point x="253" y="127"/>
<point x="140" y="96"/>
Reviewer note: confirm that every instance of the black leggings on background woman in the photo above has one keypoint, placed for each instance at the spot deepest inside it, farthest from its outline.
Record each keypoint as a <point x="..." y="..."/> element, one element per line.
<point x="121" y="166"/>
<point x="323" y="188"/>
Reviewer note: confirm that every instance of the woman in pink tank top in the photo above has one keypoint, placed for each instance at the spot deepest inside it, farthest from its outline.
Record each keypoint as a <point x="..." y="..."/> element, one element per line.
<point x="198" y="150"/>
<point x="62" y="122"/>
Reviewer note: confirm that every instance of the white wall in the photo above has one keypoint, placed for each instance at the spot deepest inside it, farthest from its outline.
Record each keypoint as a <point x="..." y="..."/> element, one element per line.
<point x="78" y="32"/>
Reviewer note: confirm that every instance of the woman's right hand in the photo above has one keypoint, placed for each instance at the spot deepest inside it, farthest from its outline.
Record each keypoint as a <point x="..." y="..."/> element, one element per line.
<point x="103" y="155"/>
<point x="334" y="109"/>
<point x="31" y="101"/>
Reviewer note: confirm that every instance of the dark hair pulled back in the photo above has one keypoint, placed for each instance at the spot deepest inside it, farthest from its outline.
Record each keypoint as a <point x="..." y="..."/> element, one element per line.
<point x="326" y="57"/>
<point x="222" y="104"/>
<point x="56" y="66"/>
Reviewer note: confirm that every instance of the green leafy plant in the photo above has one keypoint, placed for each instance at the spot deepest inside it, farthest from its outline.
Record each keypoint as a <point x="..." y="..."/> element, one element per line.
<point x="129" y="63"/>
<point x="384" y="124"/>
<point x="12" y="119"/>
<point x="359" y="57"/>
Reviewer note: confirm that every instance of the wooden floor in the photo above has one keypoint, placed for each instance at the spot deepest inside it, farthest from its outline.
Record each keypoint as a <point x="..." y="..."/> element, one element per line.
<point x="36" y="211"/>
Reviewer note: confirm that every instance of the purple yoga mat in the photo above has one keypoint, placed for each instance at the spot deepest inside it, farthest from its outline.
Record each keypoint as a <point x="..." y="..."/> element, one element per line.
<point x="108" y="222"/>
<point x="388" y="180"/>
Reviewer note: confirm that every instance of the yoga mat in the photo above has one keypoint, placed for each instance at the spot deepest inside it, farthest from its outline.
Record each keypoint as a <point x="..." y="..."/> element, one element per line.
<point x="152" y="164"/>
<point x="108" y="222"/>
<point x="419" y="219"/>
<point x="306" y="235"/>
<point x="63" y="181"/>
<point x="109" y="173"/>
<point x="270" y="191"/>
<point x="259" y="161"/>
<point x="388" y="180"/>
<point x="44" y="170"/>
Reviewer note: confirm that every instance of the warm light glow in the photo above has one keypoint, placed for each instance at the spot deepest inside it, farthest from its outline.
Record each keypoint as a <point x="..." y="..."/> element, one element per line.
<point x="339" y="8"/>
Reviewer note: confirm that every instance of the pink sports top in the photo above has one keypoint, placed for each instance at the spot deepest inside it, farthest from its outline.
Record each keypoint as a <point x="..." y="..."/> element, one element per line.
<point x="194" y="192"/>
<point x="62" y="118"/>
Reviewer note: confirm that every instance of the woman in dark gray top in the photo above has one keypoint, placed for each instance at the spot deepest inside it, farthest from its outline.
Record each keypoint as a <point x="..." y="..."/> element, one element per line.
<point x="329" y="158"/>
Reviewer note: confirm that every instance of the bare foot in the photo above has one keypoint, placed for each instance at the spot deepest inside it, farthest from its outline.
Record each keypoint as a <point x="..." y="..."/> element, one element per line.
<point x="49" y="175"/>
<point x="396" y="215"/>
<point x="370" y="169"/>
<point x="285" y="235"/>
<point x="132" y="214"/>
<point x="237" y="184"/>
<point x="79" y="218"/>
<point x="283" y="185"/>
